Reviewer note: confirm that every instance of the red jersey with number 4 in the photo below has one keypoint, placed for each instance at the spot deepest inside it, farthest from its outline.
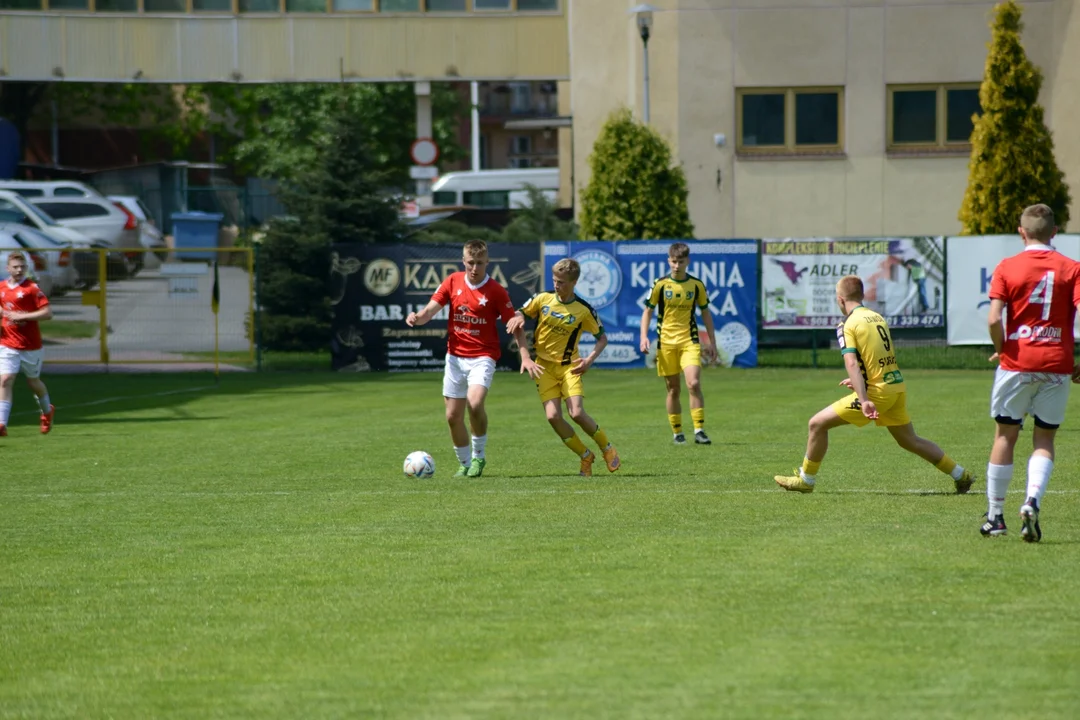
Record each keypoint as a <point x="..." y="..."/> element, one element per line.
<point x="24" y="297"/>
<point x="1040" y="288"/>
<point x="473" y="312"/>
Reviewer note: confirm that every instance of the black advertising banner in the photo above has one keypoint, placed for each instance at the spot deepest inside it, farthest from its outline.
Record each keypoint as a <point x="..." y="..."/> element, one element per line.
<point x="374" y="287"/>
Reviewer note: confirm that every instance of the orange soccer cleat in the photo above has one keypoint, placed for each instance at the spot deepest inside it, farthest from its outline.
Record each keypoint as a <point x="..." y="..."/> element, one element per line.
<point x="46" y="420"/>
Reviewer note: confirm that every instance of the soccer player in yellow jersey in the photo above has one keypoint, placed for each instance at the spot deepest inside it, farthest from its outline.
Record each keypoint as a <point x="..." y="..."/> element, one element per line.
<point x="561" y="317"/>
<point x="679" y="346"/>
<point x="878" y="394"/>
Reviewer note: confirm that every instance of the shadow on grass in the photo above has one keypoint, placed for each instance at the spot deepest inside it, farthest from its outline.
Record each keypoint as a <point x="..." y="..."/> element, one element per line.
<point x="89" y="398"/>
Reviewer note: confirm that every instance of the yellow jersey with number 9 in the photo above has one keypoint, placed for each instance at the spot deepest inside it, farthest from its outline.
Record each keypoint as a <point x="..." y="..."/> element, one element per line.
<point x="866" y="334"/>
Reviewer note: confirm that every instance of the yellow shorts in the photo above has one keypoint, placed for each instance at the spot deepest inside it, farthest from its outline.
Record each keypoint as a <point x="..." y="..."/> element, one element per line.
<point x="672" y="360"/>
<point x="892" y="410"/>
<point x="557" y="382"/>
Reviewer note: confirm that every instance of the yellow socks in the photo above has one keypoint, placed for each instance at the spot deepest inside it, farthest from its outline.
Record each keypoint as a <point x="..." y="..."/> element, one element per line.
<point x="698" y="414"/>
<point x="574" y="443"/>
<point x="676" y="423"/>
<point x="600" y="437"/>
<point x="809" y="467"/>
<point x="946" y="464"/>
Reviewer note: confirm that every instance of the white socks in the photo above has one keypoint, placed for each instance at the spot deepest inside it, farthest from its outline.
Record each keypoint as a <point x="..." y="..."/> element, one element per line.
<point x="5" y="411"/>
<point x="478" y="443"/>
<point x="957" y="472"/>
<point x="43" y="403"/>
<point x="463" y="454"/>
<point x="1039" y="469"/>
<point x="998" y="478"/>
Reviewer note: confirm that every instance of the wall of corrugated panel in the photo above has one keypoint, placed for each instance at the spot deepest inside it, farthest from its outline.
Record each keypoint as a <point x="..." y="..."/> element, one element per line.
<point x="215" y="40"/>
<point x="282" y="48"/>
<point x="31" y="46"/>
<point x="93" y="49"/>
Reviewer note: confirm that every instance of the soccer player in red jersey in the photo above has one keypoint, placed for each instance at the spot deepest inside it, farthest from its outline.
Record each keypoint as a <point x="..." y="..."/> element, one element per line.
<point x="1033" y="299"/>
<point x="476" y="302"/>
<point x="22" y="305"/>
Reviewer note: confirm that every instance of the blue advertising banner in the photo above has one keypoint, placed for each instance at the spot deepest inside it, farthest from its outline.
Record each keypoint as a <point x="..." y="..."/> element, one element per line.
<point x="616" y="278"/>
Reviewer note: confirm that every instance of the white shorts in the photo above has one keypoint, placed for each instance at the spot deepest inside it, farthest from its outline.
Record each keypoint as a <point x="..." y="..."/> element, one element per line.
<point x="1044" y="396"/>
<point x="461" y="373"/>
<point x="11" y="361"/>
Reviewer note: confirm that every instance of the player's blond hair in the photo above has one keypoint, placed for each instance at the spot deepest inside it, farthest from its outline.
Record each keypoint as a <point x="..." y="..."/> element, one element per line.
<point x="850" y="287"/>
<point x="475" y="248"/>
<point x="1038" y="222"/>
<point x="17" y="254"/>
<point x="678" y="251"/>
<point x="567" y="268"/>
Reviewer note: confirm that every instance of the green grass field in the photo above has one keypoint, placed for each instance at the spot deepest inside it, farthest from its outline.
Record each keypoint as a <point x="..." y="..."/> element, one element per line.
<point x="252" y="550"/>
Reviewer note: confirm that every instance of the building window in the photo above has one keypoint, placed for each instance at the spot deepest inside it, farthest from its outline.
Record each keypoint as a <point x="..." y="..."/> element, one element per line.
<point x="932" y="117"/>
<point x="259" y="6"/>
<point x="67" y="5"/>
<point x="491" y="5"/>
<point x="789" y="120"/>
<point x="399" y="5"/>
<point x="354" y="5"/>
<point x="164" y="6"/>
<point x="446" y="5"/>
<point x="520" y="162"/>
<point x="527" y="5"/>
<point x="520" y="97"/>
<point x="20" y="4"/>
<point x="520" y="145"/>
<point x="212" y="5"/>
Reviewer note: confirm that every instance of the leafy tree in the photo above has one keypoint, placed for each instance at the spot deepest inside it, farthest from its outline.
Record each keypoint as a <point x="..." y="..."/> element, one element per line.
<point x="267" y="130"/>
<point x="340" y="199"/>
<point x="452" y="232"/>
<point x="636" y="190"/>
<point x="1012" y="153"/>
<point x="538" y="222"/>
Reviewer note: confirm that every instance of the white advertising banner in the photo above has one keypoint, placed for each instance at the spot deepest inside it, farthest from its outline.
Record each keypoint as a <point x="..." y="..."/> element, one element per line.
<point x="971" y="263"/>
<point x="902" y="278"/>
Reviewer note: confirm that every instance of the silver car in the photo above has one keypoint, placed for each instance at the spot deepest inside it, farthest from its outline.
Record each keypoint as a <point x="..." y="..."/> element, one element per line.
<point x="58" y="256"/>
<point x="101" y="220"/>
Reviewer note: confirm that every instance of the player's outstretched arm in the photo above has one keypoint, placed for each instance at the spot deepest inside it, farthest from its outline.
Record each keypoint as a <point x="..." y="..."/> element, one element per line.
<point x="414" y="319"/>
<point x="646" y="318"/>
<point x="516" y="323"/>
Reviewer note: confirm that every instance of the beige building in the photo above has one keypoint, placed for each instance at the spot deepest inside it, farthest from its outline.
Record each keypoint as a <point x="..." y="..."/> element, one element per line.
<point x="838" y="117"/>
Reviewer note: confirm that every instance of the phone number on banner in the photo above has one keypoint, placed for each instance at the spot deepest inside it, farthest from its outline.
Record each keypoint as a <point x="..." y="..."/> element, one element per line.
<point x="895" y="321"/>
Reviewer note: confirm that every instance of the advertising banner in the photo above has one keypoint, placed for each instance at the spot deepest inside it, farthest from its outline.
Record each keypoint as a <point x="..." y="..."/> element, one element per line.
<point x="902" y="277"/>
<point x="374" y="287"/>
<point x="616" y="278"/>
<point x="972" y="260"/>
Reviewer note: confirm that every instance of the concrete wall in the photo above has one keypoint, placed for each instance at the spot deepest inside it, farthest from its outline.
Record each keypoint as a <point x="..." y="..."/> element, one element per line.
<point x="701" y="51"/>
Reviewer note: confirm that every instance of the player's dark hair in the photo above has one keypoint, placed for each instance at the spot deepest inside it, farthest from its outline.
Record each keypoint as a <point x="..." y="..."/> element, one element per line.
<point x="678" y="251"/>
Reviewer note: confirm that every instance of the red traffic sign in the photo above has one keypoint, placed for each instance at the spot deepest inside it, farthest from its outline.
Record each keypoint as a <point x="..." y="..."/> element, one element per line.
<point x="424" y="151"/>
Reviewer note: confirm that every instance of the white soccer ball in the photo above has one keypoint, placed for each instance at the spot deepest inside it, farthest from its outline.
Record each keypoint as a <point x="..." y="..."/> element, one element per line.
<point x="419" y="465"/>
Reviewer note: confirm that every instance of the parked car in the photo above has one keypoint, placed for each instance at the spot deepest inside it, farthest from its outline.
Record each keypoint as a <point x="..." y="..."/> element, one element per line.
<point x="102" y="220"/>
<point x="58" y="256"/>
<point x="16" y="209"/>
<point x="149" y="235"/>
<point x="49" y="188"/>
<point x="38" y="266"/>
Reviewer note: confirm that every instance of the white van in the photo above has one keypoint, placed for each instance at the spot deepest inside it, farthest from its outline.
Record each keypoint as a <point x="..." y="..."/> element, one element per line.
<point x="494" y="188"/>
<point x="49" y="188"/>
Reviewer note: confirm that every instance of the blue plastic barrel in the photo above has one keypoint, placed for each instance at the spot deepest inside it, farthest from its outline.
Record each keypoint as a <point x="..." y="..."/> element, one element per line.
<point x="196" y="230"/>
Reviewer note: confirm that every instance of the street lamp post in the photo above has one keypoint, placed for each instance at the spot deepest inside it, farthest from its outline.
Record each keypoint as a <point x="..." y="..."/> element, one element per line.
<point x="644" y="16"/>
